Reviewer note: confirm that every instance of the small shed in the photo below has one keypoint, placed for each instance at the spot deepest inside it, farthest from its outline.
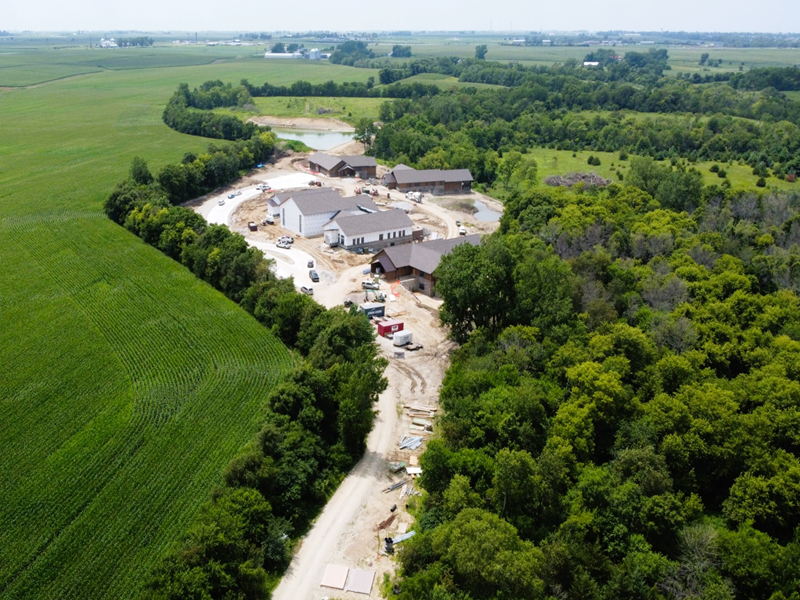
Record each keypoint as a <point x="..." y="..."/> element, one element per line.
<point x="390" y="326"/>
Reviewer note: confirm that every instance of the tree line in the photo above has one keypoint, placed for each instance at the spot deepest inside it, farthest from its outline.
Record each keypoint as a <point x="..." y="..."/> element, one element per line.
<point x="189" y="111"/>
<point x="473" y="129"/>
<point x="620" y="421"/>
<point x="348" y="89"/>
<point x="142" y="42"/>
<point x="315" y="422"/>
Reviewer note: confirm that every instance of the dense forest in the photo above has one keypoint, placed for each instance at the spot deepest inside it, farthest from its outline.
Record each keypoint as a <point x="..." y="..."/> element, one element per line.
<point x="621" y="420"/>
<point x="315" y="423"/>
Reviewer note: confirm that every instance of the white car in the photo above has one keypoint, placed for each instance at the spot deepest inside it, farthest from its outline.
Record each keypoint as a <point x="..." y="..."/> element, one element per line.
<point x="286" y="239"/>
<point x="282" y="244"/>
<point x="221" y="201"/>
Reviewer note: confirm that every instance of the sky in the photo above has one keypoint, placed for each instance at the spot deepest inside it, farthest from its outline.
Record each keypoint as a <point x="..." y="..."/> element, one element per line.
<point x="380" y="15"/>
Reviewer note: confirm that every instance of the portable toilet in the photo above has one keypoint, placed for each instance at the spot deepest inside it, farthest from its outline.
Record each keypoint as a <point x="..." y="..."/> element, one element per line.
<point x="401" y="338"/>
<point x="372" y="309"/>
<point x="390" y="326"/>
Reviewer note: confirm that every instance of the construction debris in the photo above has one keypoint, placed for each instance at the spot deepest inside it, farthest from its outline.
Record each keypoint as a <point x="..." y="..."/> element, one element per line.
<point x="385" y="523"/>
<point x="395" y="486"/>
<point x="395" y="467"/>
<point x="410" y="442"/>
<point x="414" y="470"/>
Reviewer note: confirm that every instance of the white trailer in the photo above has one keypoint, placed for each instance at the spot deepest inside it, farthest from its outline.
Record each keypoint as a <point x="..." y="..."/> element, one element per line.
<point x="402" y="338"/>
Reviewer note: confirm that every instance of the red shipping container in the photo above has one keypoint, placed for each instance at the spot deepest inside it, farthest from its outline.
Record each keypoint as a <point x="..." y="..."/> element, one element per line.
<point x="390" y="326"/>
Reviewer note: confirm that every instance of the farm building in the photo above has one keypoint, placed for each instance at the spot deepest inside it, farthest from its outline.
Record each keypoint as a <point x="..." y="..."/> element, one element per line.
<point x="306" y="214"/>
<point x="413" y="264"/>
<point x="353" y="230"/>
<point x="434" y="181"/>
<point x="274" y="204"/>
<point x="343" y="166"/>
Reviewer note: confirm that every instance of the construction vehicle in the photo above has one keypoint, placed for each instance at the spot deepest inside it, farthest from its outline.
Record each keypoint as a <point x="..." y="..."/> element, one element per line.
<point x="376" y="295"/>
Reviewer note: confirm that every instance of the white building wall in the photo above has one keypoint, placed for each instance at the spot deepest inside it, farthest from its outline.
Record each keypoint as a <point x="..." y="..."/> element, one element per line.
<point x="309" y="226"/>
<point x="375" y="236"/>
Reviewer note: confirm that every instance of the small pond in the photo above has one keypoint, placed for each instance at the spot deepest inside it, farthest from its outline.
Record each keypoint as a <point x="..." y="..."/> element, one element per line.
<point x="318" y="140"/>
<point x="485" y="213"/>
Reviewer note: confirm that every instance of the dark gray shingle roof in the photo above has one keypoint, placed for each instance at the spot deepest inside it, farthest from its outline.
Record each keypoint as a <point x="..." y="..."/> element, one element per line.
<point x="377" y="222"/>
<point x="330" y="202"/>
<point x="424" y="256"/>
<point x="329" y="162"/>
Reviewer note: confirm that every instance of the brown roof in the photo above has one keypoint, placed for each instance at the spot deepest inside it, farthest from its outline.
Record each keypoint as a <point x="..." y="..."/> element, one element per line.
<point x="424" y="256"/>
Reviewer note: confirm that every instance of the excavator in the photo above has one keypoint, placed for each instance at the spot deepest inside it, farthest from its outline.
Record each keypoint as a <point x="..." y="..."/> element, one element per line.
<point x="377" y="296"/>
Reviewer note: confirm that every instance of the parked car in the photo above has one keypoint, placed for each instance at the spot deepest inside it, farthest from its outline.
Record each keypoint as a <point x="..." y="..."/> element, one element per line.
<point x="368" y="284"/>
<point x="462" y="230"/>
<point x="287" y="239"/>
<point x="239" y="193"/>
<point x="283" y="245"/>
<point x="311" y="264"/>
<point x="269" y="220"/>
<point x="231" y="196"/>
<point x="313" y="275"/>
<point x="221" y="201"/>
<point x="307" y="290"/>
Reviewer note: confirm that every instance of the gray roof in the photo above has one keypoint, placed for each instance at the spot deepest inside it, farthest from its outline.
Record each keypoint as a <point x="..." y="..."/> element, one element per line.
<point x="329" y="162"/>
<point x="376" y="222"/>
<point x="284" y="196"/>
<point x="431" y="175"/>
<point x="360" y="161"/>
<point x="423" y="256"/>
<point x="316" y="204"/>
<point x="326" y="161"/>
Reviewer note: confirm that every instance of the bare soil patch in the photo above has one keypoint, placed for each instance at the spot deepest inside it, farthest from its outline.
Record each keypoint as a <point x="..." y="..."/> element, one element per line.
<point x="304" y="123"/>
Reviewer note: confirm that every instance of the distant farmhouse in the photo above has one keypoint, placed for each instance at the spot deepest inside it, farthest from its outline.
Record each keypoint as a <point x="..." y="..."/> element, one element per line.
<point x="352" y="223"/>
<point x="110" y="43"/>
<point x="434" y="181"/>
<point x="343" y="166"/>
<point x="413" y="264"/>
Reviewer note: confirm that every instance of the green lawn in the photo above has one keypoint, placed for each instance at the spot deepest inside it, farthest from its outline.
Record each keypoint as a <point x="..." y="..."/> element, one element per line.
<point x="126" y="384"/>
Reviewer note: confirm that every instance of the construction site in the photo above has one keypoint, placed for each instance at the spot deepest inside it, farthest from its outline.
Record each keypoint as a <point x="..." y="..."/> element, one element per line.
<point x="350" y="548"/>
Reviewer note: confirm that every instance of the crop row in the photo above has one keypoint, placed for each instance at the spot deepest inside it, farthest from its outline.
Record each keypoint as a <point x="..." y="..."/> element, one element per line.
<point x="166" y="391"/>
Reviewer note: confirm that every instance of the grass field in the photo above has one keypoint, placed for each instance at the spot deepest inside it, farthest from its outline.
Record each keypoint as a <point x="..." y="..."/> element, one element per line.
<point x="126" y="384"/>
<point x="346" y="109"/>
<point x="445" y="82"/>
<point x="561" y="162"/>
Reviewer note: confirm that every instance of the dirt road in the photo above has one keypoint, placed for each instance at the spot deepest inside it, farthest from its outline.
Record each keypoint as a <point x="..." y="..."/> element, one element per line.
<point x="345" y="532"/>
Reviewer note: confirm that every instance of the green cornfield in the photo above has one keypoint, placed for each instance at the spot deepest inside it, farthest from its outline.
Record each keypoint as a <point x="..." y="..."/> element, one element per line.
<point x="126" y="384"/>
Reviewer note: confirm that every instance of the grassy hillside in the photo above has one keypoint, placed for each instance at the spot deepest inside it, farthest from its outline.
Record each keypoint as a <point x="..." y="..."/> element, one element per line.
<point x="561" y="162"/>
<point x="126" y="384"/>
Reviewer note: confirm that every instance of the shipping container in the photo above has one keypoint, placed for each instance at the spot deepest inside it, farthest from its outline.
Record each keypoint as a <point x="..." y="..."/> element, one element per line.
<point x="390" y="326"/>
<point x="372" y="309"/>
